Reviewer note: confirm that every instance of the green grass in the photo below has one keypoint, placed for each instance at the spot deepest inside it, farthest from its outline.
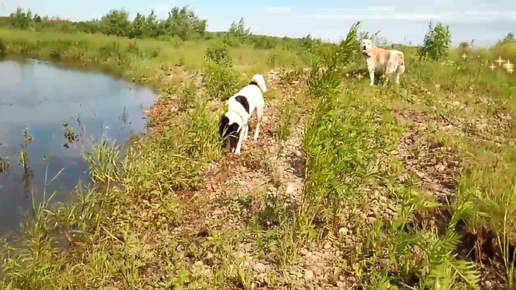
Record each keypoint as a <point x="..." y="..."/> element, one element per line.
<point x="348" y="185"/>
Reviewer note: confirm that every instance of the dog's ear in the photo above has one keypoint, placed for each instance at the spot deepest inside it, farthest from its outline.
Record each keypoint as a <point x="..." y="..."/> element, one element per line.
<point x="223" y="127"/>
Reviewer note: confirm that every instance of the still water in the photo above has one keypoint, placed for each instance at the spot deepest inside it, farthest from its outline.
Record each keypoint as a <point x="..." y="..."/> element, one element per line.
<point x="44" y="98"/>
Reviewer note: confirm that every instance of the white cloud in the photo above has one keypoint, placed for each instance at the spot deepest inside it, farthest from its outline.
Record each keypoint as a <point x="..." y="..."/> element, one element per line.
<point x="397" y="16"/>
<point x="161" y="11"/>
<point x="381" y="8"/>
<point x="279" y="10"/>
<point x="493" y="15"/>
<point x="455" y="17"/>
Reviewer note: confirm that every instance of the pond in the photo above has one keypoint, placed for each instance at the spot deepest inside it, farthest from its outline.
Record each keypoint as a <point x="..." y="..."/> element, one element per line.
<point x="49" y="100"/>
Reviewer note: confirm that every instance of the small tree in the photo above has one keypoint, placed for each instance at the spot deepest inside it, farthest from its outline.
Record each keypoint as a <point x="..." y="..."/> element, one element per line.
<point x="116" y="22"/>
<point x="152" y="26"/>
<point x="184" y="23"/>
<point x="21" y="19"/>
<point x="509" y="37"/>
<point x="239" y="31"/>
<point x="138" y="28"/>
<point x="436" y="43"/>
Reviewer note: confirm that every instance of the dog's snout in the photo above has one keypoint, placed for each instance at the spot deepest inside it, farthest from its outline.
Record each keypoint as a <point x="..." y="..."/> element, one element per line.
<point x="365" y="47"/>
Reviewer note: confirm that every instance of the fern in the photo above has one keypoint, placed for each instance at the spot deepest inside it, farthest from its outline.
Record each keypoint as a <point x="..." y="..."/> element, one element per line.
<point x="444" y="267"/>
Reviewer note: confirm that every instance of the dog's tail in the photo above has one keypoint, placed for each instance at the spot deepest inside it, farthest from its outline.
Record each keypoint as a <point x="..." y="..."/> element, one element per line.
<point x="401" y="63"/>
<point x="401" y="58"/>
<point x="259" y="81"/>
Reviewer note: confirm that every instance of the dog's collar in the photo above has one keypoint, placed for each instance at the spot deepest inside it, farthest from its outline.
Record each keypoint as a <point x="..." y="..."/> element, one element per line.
<point x="253" y="83"/>
<point x="240" y="115"/>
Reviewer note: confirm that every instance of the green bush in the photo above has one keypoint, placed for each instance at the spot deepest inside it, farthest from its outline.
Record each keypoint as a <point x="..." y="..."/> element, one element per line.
<point x="220" y="77"/>
<point x="218" y="54"/>
<point x="436" y="43"/>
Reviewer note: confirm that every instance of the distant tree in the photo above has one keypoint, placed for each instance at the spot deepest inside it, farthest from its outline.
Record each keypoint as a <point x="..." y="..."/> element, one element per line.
<point x="21" y="19"/>
<point x="184" y="23"/>
<point x="239" y="31"/>
<point x="152" y="26"/>
<point x="138" y="29"/>
<point x="508" y="38"/>
<point x="116" y="22"/>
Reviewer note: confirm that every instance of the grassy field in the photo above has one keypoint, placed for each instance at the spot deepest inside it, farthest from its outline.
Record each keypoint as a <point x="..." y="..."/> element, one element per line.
<point x="348" y="186"/>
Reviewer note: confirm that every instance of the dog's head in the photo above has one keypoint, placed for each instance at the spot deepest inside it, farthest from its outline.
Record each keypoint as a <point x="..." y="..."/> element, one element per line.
<point x="366" y="46"/>
<point x="228" y="131"/>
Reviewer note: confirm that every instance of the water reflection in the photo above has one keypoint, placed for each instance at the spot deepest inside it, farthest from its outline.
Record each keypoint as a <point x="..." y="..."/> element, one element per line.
<point x="60" y="107"/>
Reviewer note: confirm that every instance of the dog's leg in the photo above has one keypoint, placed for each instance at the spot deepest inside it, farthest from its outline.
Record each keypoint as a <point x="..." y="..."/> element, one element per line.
<point x="246" y="131"/>
<point x="228" y="143"/>
<point x="241" y="138"/>
<point x="399" y="71"/>
<point x="259" y="116"/>
<point x="389" y="70"/>
<point x="371" y="75"/>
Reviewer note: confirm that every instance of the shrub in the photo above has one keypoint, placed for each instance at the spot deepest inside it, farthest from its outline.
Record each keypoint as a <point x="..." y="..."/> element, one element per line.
<point x="219" y="54"/>
<point x="3" y="48"/>
<point x="220" y="77"/>
<point x="436" y="42"/>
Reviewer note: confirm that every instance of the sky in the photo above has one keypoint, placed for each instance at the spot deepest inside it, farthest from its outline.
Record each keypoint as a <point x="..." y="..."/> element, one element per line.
<point x="482" y="20"/>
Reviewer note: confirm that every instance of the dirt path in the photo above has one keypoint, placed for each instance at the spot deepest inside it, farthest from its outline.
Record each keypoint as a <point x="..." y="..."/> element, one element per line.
<point x="244" y="193"/>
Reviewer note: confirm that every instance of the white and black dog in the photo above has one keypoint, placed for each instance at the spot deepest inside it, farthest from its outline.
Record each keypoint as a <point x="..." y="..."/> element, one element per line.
<point x="240" y="108"/>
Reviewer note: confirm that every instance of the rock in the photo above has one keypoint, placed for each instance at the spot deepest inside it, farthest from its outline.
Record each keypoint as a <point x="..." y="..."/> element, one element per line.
<point x="309" y="275"/>
<point x="248" y="247"/>
<point x="343" y="231"/>
<point x="327" y="245"/>
<point x="262" y="279"/>
<point x="296" y="272"/>
<point x="384" y="263"/>
<point x="371" y="220"/>
<point x="291" y="188"/>
<point x="318" y="269"/>
<point x="390" y="212"/>
<point x="209" y="255"/>
<point x="259" y="267"/>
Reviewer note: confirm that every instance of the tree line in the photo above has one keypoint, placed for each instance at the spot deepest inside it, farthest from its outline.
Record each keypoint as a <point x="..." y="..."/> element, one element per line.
<point x="182" y="23"/>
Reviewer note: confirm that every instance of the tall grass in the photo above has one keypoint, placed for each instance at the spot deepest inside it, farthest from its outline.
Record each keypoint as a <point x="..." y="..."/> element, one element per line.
<point x="140" y="226"/>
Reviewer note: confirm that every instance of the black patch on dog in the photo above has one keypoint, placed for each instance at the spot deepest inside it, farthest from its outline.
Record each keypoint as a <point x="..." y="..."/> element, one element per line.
<point x="253" y="83"/>
<point x="243" y="101"/>
<point x="228" y="132"/>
